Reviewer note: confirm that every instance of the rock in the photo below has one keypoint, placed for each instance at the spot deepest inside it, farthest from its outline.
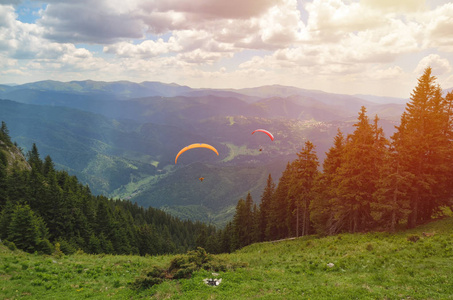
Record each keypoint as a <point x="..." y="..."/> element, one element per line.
<point x="212" y="282"/>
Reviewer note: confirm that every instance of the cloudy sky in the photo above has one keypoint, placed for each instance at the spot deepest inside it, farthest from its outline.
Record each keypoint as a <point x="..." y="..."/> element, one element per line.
<point x="377" y="47"/>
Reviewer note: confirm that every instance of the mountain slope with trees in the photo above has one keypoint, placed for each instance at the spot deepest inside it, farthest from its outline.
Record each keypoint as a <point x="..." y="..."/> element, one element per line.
<point x="42" y="208"/>
<point x="367" y="183"/>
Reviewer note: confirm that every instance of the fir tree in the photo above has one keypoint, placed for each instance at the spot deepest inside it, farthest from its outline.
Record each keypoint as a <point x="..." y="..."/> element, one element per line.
<point x="3" y="179"/>
<point x="242" y="223"/>
<point x="26" y="229"/>
<point x="265" y="207"/>
<point x="279" y="213"/>
<point x="301" y="191"/>
<point x="423" y="144"/>
<point x="34" y="159"/>
<point x="358" y="177"/>
<point x="391" y="203"/>
<point x="255" y="229"/>
<point x="323" y="207"/>
<point x="4" y="134"/>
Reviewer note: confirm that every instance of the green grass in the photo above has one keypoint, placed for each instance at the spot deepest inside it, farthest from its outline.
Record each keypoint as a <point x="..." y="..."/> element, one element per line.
<point x="366" y="266"/>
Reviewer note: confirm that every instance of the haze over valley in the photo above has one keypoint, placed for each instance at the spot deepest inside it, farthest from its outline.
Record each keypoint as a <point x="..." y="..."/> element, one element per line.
<point x="121" y="138"/>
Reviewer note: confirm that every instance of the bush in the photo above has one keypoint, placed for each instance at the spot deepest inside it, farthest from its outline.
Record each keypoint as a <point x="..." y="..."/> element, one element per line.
<point x="66" y="247"/>
<point x="157" y="272"/>
<point x="145" y="282"/>
<point x="183" y="266"/>
<point x="11" y="246"/>
<point x="199" y="257"/>
<point x="58" y="253"/>
<point x="45" y="247"/>
<point x="178" y="262"/>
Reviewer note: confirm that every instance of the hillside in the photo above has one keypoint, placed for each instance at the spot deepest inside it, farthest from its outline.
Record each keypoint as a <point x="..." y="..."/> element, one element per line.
<point x="14" y="158"/>
<point x="43" y="209"/>
<point x="405" y="265"/>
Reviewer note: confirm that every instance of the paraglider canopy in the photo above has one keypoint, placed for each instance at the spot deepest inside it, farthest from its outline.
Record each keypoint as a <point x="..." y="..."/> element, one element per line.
<point x="197" y="145"/>
<point x="266" y="132"/>
<point x="201" y="179"/>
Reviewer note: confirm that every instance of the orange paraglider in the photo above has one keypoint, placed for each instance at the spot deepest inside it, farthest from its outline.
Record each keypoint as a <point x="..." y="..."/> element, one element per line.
<point x="197" y="145"/>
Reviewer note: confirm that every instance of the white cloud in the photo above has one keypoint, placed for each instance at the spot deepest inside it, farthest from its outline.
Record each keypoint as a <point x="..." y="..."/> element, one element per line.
<point x="90" y="21"/>
<point x="330" y="21"/>
<point x="6" y="62"/>
<point x="439" y="66"/>
<point x="439" y="26"/>
<point x="396" y="6"/>
<point x="390" y="73"/>
<point x="342" y="41"/>
<point x="145" y="49"/>
<point x="202" y="10"/>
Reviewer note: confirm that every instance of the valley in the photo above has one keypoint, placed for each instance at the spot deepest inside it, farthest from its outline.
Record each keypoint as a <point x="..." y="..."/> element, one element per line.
<point x="120" y="138"/>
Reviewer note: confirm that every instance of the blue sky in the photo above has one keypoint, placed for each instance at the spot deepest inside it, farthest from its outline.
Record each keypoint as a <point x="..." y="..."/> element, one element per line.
<point x="377" y="47"/>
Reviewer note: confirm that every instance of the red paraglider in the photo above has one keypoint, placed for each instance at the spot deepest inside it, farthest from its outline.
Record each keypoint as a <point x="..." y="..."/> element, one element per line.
<point x="266" y="132"/>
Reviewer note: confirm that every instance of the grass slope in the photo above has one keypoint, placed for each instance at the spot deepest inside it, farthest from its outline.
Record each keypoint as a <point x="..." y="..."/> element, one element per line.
<point x="366" y="266"/>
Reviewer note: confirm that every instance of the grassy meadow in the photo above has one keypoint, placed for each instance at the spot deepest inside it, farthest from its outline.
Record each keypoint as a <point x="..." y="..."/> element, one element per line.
<point x="405" y="265"/>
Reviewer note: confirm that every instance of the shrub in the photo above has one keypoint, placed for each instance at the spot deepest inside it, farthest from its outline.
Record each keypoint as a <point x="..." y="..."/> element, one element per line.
<point x="145" y="282"/>
<point x="11" y="246"/>
<point x="66" y="247"/>
<point x="199" y="257"/>
<point x="45" y="247"/>
<point x="182" y="266"/>
<point x="58" y="253"/>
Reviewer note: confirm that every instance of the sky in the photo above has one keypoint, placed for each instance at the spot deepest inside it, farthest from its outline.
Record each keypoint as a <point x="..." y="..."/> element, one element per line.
<point x="375" y="47"/>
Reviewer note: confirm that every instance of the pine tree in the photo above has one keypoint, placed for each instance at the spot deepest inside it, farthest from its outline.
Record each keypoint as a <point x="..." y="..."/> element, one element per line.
<point x="242" y="223"/>
<point x="4" y="134"/>
<point x="226" y="243"/>
<point x="277" y="227"/>
<point x="265" y="207"/>
<point x="147" y="240"/>
<point x="3" y="180"/>
<point x="255" y="230"/>
<point x="301" y="191"/>
<point x="323" y="207"/>
<point x="34" y="159"/>
<point x="48" y="167"/>
<point x="5" y="218"/>
<point x="26" y="229"/>
<point x="104" y="220"/>
<point x="357" y="176"/>
<point x="390" y="198"/>
<point x="423" y="142"/>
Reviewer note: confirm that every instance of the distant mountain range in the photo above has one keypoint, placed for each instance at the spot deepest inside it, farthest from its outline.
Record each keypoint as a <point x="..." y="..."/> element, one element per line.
<point x="121" y="137"/>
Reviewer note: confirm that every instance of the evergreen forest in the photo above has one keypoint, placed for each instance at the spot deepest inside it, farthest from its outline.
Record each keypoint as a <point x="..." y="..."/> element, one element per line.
<point x="368" y="182"/>
<point x="43" y="209"/>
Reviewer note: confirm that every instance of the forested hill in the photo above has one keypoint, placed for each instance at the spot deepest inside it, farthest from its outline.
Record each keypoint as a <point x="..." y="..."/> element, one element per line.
<point x="41" y="207"/>
<point x="367" y="183"/>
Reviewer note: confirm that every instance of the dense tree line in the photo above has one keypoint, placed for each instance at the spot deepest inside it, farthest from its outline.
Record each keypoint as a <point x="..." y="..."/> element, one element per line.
<point x="43" y="206"/>
<point x="367" y="182"/>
